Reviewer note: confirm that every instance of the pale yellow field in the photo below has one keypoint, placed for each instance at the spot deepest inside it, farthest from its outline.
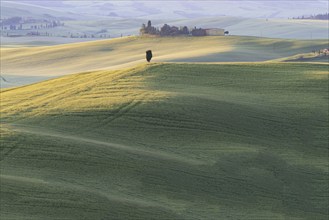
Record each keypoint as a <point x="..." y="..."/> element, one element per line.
<point x="125" y="88"/>
<point x="129" y="51"/>
<point x="107" y="54"/>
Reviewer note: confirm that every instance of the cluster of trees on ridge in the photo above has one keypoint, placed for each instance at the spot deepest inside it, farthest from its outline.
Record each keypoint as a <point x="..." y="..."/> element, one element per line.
<point x="315" y="17"/>
<point x="167" y="30"/>
<point x="17" y="26"/>
<point x="20" y="23"/>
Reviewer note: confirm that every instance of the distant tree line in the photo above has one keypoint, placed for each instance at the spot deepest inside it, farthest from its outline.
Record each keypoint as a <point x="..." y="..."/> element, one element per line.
<point x="11" y="21"/>
<point x="23" y="26"/>
<point x="20" y="23"/>
<point x="314" y="17"/>
<point x="167" y="30"/>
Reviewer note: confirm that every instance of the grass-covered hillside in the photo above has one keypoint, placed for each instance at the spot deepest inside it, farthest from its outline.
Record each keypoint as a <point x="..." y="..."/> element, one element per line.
<point x="128" y="51"/>
<point x="168" y="141"/>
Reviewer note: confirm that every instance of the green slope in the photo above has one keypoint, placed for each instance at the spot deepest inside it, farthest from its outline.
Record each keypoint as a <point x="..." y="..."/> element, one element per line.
<point x="169" y="141"/>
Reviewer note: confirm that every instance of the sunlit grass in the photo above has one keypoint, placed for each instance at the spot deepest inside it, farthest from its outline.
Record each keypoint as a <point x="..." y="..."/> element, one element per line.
<point x="129" y="51"/>
<point x="169" y="141"/>
<point x="99" y="90"/>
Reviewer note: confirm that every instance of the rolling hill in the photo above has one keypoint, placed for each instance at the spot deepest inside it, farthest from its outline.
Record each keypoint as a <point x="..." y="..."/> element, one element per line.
<point x="238" y="26"/>
<point x="168" y="141"/>
<point x="29" y="10"/>
<point x="246" y="18"/>
<point x="129" y="51"/>
<point x="179" y="9"/>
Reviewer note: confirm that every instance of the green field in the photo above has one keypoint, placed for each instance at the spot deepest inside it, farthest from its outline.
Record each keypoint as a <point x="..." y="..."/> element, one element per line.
<point x="169" y="141"/>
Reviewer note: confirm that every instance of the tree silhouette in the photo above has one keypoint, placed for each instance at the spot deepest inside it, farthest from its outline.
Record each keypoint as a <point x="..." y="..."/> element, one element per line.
<point x="148" y="55"/>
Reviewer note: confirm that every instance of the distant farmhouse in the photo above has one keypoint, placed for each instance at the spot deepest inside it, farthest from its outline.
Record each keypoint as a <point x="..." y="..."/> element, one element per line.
<point x="167" y="30"/>
<point x="215" y="32"/>
<point x="208" y="32"/>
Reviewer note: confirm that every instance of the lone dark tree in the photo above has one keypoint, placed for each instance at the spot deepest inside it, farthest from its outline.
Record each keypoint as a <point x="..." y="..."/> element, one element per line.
<point x="148" y="55"/>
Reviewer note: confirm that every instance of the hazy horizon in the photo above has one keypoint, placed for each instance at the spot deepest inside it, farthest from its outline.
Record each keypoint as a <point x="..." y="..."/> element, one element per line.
<point x="185" y="9"/>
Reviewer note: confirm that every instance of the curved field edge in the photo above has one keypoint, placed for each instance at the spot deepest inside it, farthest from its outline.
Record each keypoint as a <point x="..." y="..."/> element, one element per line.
<point x="169" y="141"/>
<point x="130" y="51"/>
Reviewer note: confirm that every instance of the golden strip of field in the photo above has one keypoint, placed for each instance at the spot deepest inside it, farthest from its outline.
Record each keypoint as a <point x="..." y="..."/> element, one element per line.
<point x="129" y="51"/>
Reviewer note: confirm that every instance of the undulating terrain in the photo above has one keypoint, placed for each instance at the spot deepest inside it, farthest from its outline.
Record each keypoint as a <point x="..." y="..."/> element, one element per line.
<point x="222" y="127"/>
<point x="159" y="9"/>
<point x="113" y="28"/>
<point x="31" y="63"/>
<point x="166" y="140"/>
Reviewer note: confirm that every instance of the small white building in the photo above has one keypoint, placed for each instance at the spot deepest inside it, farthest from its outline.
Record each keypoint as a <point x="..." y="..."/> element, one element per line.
<point x="215" y="32"/>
